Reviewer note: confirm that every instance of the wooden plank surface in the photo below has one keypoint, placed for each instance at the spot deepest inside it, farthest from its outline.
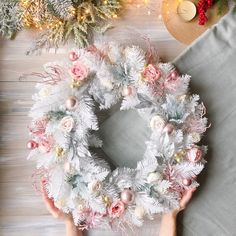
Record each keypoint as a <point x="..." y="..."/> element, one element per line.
<point x="21" y="209"/>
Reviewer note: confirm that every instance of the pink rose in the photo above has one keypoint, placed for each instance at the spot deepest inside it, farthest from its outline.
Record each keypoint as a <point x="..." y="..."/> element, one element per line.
<point x="116" y="209"/>
<point x="79" y="71"/>
<point x="157" y="123"/>
<point x="194" y="154"/>
<point x="46" y="144"/>
<point x="151" y="73"/>
<point x="66" y="124"/>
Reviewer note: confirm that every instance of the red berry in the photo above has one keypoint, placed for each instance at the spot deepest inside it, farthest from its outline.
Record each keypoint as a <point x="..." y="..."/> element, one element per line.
<point x="202" y="7"/>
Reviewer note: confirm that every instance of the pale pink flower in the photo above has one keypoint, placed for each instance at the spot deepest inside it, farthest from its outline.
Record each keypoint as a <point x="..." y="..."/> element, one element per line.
<point x="79" y="71"/>
<point x="46" y="144"/>
<point x="116" y="209"/>
<point x="95" y="186"/>
<point x="66" y="124"/>
<point x="157" y="123"/>
<point x="38" y="127"/>
<point x="151" y="73"/>
<point x="194" y="154"/>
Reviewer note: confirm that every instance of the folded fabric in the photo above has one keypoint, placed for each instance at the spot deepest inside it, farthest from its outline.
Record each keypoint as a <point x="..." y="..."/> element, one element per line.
<point x="211" y="61"/>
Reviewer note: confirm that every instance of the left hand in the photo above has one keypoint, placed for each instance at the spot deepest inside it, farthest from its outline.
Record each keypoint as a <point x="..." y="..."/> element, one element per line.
<point x="71" y="229"/>
<point x="55" y="212"/>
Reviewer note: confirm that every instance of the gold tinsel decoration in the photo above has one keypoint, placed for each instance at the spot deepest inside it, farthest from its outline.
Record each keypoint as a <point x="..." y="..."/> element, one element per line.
<point x="35" y="14"/>
<point x="76" y="19"/>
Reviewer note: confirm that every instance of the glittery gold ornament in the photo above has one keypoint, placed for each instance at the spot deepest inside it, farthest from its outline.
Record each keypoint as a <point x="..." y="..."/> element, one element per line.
<point x="176" y="155"/>
<point x="106" y="200"/>
<point x="75" y="84"/>
<point x="59" y="151"/>
<point x="182" y="152"/>
<point x="178" y="159"/>
<point x="180" y="155"/>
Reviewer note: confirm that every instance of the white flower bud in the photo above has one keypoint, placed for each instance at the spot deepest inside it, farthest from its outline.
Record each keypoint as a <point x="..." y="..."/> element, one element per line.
<point x="139" y="212"/>
<point x="95" y="186"/>
<point x="157" y="123"/>
<point x="154" y="177"/>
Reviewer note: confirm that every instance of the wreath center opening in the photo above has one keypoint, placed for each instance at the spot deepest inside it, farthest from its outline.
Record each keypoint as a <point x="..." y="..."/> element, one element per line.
<point x="124" y="134"/>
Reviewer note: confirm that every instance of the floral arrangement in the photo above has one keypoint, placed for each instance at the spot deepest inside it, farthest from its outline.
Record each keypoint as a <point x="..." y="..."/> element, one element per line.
<point x="65" y="126"/>
<point x="57" y="19"/>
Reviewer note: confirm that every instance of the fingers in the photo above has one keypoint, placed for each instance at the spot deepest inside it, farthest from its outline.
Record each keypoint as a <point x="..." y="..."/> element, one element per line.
<point x="49" y="201"/>
<point x="186" y="198"/>
<point x="43" y="189"/>
<point x="56" y="213"/>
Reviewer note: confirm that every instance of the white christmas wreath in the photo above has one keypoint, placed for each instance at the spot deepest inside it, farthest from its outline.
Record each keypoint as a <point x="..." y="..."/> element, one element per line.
<point x="64" y="128"/>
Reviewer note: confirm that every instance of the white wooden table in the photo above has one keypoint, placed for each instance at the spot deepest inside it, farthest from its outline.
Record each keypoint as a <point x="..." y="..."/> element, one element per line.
<point x="21" y="209"/>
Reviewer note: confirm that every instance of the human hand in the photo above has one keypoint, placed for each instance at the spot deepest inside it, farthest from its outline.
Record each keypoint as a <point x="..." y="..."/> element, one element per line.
<point x="55" y="212"/>
<point x="71" y="229"/>
<point x="187" y="195"/>
<point x="168" y="223"/>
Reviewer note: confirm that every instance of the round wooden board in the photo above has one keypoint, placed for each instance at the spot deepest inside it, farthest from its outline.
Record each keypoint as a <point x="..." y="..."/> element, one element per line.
<point x="186" y="32"/>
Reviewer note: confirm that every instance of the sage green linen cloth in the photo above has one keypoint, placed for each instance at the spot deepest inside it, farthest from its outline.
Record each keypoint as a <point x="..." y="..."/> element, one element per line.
<point x="211" y="60"/>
